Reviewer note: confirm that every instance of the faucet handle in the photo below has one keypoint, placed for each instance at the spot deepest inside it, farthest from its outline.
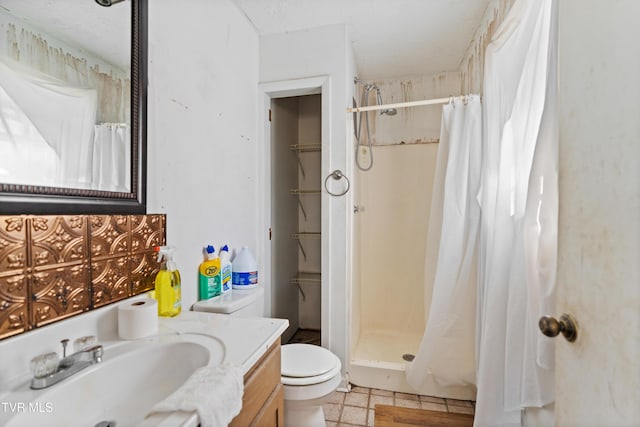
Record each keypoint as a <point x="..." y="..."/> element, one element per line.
<point x="64" y="343"/>
<point x="44" y="364"/>
<point x="84" y="343"/>
<point x="96" y="352"/>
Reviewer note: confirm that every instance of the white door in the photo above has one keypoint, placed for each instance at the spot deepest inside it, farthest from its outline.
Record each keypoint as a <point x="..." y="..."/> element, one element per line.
<point x="598" y="376"/>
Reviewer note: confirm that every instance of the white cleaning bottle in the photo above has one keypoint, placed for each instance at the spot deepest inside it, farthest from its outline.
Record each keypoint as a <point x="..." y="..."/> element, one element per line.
<point x="225" y="269"/>
<point x="245" y="270"/>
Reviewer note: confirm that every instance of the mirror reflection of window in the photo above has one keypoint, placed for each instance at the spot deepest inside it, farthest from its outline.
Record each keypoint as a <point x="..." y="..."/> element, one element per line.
<point x="65" y="94"/>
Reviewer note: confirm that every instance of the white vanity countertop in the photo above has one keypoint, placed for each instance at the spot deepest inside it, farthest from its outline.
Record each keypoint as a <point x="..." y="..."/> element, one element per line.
<point x="246" y="340"/>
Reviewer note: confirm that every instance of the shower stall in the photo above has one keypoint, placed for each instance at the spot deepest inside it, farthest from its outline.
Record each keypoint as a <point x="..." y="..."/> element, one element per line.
<point x="391" y="217"/>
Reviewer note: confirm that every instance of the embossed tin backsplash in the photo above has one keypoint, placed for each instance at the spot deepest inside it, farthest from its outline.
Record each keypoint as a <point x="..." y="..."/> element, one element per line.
<point x="54" y="267"/>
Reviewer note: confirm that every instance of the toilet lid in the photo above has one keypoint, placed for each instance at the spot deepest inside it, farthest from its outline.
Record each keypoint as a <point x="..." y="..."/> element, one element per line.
<point x="307" y="381"/>
<point x="306" y="360"/>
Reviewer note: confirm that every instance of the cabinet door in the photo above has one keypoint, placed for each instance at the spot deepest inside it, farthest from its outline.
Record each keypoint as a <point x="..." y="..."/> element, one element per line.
<point x="272" y="413"/>
<point x="259" y="384"/>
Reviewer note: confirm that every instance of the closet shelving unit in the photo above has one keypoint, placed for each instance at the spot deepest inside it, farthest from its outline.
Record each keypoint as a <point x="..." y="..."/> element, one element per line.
<point x="305" y="235"/>
<point x="304" y="148"/>
<point x="299" y="193"/>
<point x="305" y="277"/>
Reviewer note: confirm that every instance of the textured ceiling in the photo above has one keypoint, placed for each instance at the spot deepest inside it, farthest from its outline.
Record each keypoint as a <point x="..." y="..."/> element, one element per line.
<point x="390" y="38"/>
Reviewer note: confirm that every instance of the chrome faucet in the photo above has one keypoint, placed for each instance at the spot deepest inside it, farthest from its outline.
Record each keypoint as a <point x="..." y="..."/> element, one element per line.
<point x="66" y="367"/>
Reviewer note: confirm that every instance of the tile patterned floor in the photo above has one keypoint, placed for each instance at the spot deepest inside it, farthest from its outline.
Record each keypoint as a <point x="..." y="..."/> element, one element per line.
<point x="357" y="407"/>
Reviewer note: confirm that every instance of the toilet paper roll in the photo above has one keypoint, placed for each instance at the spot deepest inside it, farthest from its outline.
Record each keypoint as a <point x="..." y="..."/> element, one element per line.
<point x="138" y="319"/>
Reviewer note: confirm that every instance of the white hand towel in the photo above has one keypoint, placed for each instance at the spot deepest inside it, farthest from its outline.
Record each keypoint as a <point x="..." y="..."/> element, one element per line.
<point x="214" y="392"/>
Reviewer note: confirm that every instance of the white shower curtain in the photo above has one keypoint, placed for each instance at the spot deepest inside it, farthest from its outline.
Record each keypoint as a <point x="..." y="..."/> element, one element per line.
<point x="518" y="232"/>
<point x="112" y="157"/>
<point x="515" y="235"/>
<point x="448" y="347"/>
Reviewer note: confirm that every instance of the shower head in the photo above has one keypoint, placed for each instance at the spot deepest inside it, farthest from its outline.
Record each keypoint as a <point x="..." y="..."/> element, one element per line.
<point x="368" y="87"/>
<point x="107" y="3"/>
<point x="387" y="111"/>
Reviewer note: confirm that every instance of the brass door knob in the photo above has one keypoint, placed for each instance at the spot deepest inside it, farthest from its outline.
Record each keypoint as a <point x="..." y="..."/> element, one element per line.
<point x="566" y="325"/>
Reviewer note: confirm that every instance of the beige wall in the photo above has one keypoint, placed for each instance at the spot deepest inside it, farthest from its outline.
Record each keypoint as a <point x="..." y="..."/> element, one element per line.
<point x="396" y="196"/>
<point x="411" y="125"/>
<point x="284" y="209"/>
<point x="309" y="132"/>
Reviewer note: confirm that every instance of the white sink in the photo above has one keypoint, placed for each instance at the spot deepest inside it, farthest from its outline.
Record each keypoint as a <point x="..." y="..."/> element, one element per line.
<point x="132" y="377"/>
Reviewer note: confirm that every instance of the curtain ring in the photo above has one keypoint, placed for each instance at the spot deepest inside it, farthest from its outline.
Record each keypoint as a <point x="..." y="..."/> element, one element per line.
<point x="337" y="174"/>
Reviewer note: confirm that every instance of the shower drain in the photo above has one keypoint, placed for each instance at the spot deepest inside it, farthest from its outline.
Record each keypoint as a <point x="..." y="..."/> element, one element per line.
<point x="408" y="357"/>
<point x="106" y="424"/>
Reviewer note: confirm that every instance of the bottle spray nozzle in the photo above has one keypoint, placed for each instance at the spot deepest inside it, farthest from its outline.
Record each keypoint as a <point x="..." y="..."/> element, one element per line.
<point x="166" y="253"/>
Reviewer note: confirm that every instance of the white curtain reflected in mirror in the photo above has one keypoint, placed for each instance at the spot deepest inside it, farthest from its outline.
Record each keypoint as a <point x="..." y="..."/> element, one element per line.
<point x="112" y="157"/>
<point x="26" y="156"/>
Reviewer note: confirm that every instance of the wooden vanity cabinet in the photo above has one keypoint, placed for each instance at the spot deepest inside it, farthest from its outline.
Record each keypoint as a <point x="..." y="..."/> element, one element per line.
<point x="263" y="399"/>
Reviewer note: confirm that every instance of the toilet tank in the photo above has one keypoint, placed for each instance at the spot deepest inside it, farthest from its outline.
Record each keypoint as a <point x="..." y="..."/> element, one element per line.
<point x="237" y="302"/>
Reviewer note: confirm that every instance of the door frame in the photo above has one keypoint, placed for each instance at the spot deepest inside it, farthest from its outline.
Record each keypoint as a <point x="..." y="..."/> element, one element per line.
<point x="266" y="93"/>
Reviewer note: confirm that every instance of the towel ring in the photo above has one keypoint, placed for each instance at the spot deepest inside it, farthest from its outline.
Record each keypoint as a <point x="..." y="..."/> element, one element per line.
<point x="337" y="174"/>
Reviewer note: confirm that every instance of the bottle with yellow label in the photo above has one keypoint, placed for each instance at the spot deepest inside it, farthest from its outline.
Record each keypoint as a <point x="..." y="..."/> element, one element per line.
<point x="168" y="284"/>
<point x="209" y="278"/>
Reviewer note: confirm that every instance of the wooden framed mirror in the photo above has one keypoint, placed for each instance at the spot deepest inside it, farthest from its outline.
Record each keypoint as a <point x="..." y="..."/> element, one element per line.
<point x="73" y="106"/>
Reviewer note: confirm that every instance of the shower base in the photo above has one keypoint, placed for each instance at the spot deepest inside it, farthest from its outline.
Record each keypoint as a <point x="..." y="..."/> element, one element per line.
<point x="377" y="362"/>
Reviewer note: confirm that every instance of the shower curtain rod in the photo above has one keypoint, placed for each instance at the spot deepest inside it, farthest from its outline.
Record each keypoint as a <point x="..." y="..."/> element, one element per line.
<point x="400" y="105"/>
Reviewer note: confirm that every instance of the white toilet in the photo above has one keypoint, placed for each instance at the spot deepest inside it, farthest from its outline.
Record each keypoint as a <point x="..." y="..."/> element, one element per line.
<point x="309" y="373"/>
